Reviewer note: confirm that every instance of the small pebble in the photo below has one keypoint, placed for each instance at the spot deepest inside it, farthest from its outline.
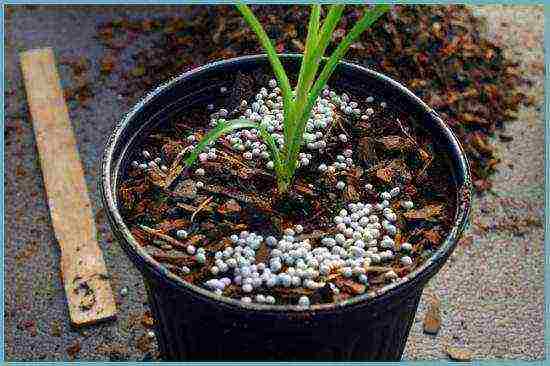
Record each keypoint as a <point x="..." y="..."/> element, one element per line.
<point x="201" y="258"/>
<point x="260" y="298"/>
<point x="407" y="205"/>
<point x="181" y="234"/>
<point x="407" y="247"/>
<point x="303" y="301"/>
<point x="124" y="291"/>
<point x="395" y="191"/>
<point x="390" y="275"/>
<point x="406" y="260"/>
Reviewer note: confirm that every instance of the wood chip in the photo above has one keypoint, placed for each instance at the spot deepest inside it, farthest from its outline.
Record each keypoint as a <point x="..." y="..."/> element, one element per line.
<point x="351" y="286"/>
<point x="367" y="152"/>
<point x="377" y="269"/>
<point x="432" y="319"/>
<point x="201" y="206"/>
<point x="156" y="176"/>
<point x="303" y="189"/>
<point x="458" y="353"/>
<point x="186" y="189"/>
<point x="425" y="213"/>
<point x="172" y="224"/>
<point x="158" y="234"/>
<point x="73" y="349"/>
<point x="231" y="206"/>
<point x="85" y="278"/>
<point x="432" y="236"/>
<point x="395" y="171"/>
<point x="351" y="194"/>
<point x="395" y="142"/>
<point x="177" y="167"/>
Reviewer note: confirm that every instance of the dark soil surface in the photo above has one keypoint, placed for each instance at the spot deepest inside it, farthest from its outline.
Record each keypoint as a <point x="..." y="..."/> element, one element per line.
<point x="390" y="149"/>
<point x="436" y="51"/>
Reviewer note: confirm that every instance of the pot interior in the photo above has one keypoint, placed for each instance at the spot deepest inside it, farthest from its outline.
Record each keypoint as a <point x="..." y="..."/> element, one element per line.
<point x="213" y="84"/>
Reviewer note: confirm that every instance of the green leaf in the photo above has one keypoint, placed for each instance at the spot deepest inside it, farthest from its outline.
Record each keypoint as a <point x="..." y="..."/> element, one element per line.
<point x="305" y="77"/>
<point x="366" y="21"/>
<point x="311" y="44"/>
<point x="227" y="126"/>
<point x="278" y="69"/>
<point x="330" y="23"/>
<point x="297" y="111"/>
<point x="301" y="118"/>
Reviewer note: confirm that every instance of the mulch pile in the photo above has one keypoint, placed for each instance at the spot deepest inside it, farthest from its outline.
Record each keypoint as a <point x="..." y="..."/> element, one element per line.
<point x="439" y="52"/>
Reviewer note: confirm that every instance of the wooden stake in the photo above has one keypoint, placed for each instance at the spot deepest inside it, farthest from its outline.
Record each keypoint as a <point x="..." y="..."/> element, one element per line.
<point x="84" y="274"/>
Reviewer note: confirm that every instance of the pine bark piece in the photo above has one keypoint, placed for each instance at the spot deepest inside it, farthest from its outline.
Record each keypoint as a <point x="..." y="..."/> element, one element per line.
<point x="459" y="353"/>
<point x="84" y="274"/>
<point x="432" y="319"/>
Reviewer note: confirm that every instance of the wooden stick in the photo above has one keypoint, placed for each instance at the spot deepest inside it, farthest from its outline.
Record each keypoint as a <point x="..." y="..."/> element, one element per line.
<point x="84" y="274"/>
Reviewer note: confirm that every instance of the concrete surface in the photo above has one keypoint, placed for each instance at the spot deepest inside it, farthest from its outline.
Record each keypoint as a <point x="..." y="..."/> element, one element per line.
<point x="491" y="290"/>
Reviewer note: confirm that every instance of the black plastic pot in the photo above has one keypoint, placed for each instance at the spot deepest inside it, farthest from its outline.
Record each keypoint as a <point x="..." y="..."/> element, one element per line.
<point x="197" y="324"/>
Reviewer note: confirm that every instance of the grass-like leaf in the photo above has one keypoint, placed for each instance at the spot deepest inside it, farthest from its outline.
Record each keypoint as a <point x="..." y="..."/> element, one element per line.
<point x="365" y="22"/>
<point x="278" y="69"/>
<point x="227" y="126"/>
<point x="298" y="106"/>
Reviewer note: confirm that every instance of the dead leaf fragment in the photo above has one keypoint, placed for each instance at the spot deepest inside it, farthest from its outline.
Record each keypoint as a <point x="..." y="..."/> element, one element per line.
<point x="147" y="319"/>
<point x="432" y="236"/>
<point x="432" y="319"/>
<point x="425" y="213"/>
<point x="73" y="350"/>
<point x="458" y="353"/>
<point x="186" y="189"/>
<point x="144" y="343"/>
<point x="229" y="207"/>
<point x="395" y="142"/>
<point x="56" y="328"/>
<point x="367" y="152"/>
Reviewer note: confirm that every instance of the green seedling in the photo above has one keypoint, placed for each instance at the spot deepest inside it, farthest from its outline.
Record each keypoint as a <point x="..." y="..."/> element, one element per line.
<point x="298" y="102"/>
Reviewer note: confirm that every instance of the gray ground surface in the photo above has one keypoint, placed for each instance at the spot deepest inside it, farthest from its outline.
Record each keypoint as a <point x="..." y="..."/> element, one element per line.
<point x="491" y="290"/>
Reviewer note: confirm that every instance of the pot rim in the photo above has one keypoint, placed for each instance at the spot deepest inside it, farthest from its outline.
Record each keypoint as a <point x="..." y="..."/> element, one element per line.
<point x="427" y="269"/>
